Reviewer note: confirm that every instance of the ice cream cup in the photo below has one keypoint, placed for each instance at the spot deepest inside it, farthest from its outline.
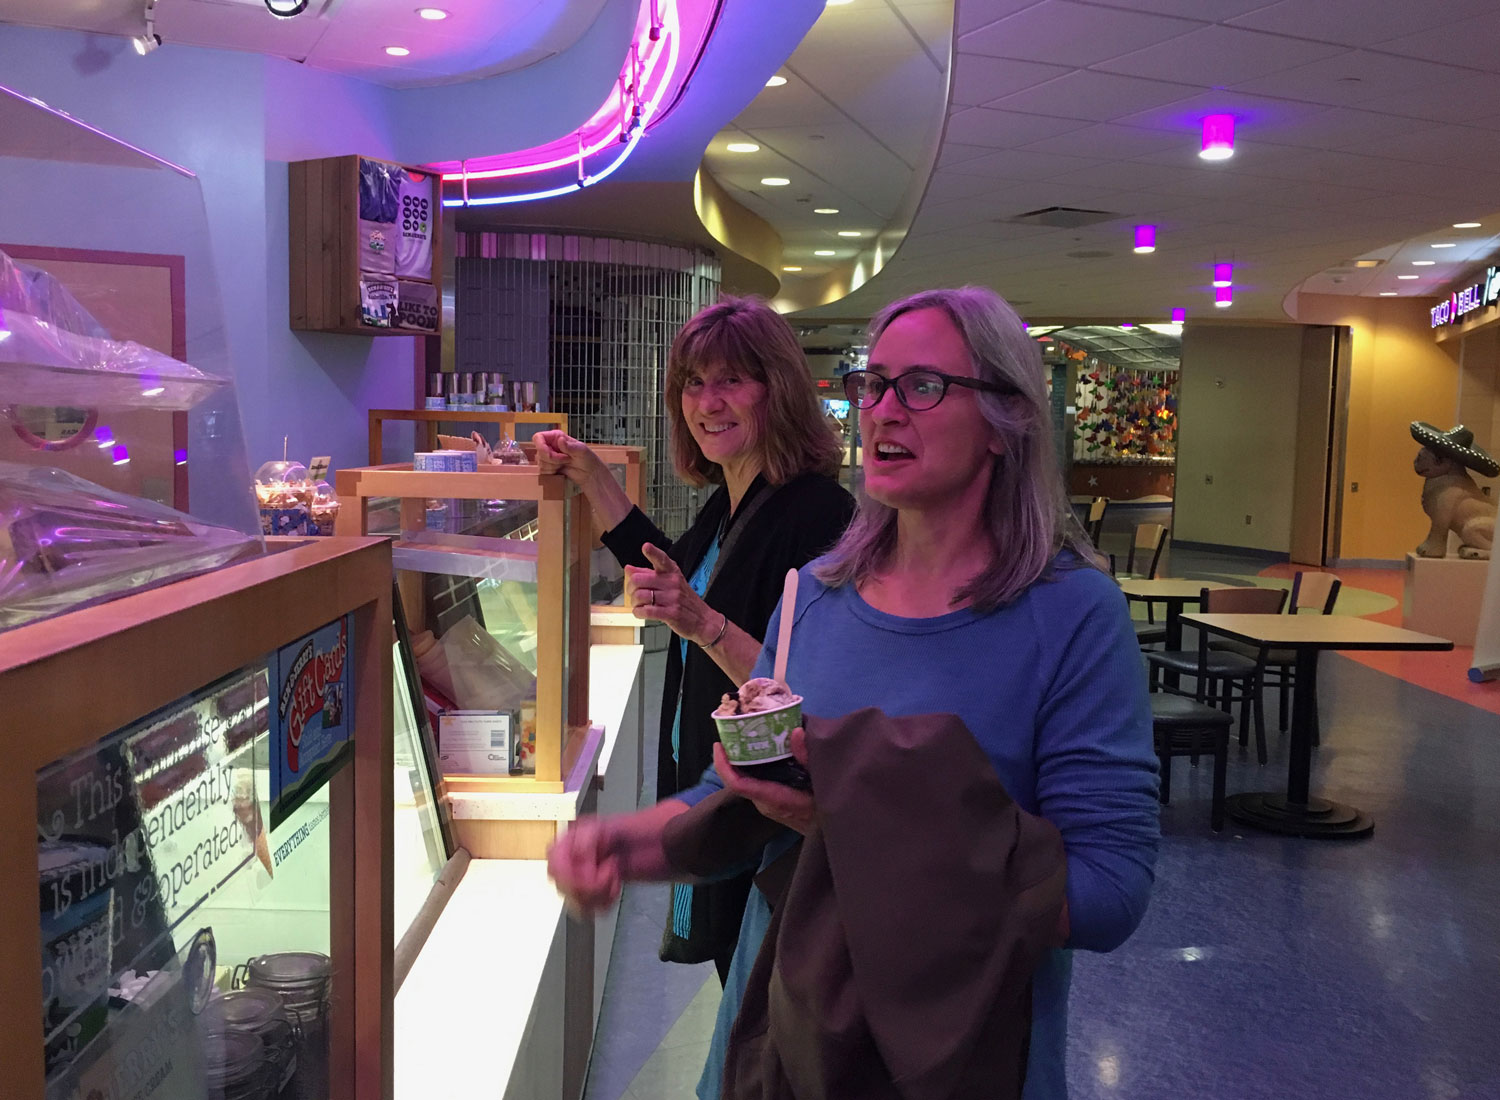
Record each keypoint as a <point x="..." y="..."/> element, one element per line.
<point x="760" y="736"/>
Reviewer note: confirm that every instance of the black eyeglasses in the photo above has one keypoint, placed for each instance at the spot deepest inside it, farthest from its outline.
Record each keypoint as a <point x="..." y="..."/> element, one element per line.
<point x="918" y="390"/>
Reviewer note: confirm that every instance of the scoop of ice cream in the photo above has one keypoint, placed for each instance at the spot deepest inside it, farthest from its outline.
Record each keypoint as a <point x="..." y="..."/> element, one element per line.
<point x="761" y="693"/>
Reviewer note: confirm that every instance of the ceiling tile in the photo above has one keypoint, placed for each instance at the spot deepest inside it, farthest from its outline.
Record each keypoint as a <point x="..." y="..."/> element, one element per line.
<point x="1352" y="79"/>
<point x="1220" y="56"/>
<point x="973" y="14"/>
<point x="1471" y="97"/>
<point x="946" y="186"/>
<point x="1108" y="141"/>
<point x="1100" y="97"/>
<point x="978" y="79"/>
<point x="1474" y="42"/>
<point x="1459" y="145"/>
<point x="1213" y="11"/>
<point x="1356" y="22"/>
<point x="1019" y="164"/>
<point x="1254" y="115"/>
<point x="1067" y="33"/>
<point x="954" y="152"/>
<point x="1003" y="129"/>
<point x="1343" y="128"/>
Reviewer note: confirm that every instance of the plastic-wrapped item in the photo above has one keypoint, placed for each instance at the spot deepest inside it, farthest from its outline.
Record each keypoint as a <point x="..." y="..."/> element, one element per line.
<point x="65" y="542"/>
<point x="484" y="674"/>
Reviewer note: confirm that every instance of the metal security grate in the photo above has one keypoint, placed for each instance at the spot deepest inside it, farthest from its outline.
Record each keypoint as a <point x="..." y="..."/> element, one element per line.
<point x="591" y="320"/>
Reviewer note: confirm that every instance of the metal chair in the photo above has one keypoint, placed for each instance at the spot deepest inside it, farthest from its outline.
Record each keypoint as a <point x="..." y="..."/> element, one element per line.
<point x="1228" y="676"/>
<point x="1186" y="727"/>
<point x="1095" y="526"/>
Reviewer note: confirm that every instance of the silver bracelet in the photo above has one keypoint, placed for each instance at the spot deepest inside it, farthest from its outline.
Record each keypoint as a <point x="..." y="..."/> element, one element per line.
<point x="719" y="637"/>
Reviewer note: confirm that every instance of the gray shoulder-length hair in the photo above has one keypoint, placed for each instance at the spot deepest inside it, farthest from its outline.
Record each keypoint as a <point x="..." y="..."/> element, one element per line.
<point x="1027" y="512"/>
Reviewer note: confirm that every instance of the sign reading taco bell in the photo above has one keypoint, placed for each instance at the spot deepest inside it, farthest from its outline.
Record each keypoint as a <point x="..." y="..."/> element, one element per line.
<point x="313" y="696"/>
<point x="1460" y="303"/>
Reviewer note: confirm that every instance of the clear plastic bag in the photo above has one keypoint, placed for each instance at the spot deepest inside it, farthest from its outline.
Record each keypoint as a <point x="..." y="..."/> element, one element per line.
<point x="65" y="542"/>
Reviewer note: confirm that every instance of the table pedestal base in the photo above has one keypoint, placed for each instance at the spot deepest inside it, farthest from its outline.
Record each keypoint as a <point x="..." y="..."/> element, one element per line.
<point x="1317" y="818"/>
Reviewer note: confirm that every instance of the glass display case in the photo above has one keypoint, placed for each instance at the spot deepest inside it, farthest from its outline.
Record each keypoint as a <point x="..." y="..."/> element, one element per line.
<point x="210" y="919"/>
<point x="499" y="619"/>
<point x="122" y="462"/>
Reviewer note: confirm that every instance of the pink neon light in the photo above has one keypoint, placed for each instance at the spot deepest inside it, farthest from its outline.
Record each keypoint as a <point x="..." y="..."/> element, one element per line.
<point x="565" y="151"/>
<point x="1218" y="137"/>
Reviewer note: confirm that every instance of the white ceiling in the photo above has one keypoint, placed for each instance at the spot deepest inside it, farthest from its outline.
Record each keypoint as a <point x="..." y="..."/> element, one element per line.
<point x="479" y="38"/>
<point x="1365" y="127"/>
<point x="864" y="93"/>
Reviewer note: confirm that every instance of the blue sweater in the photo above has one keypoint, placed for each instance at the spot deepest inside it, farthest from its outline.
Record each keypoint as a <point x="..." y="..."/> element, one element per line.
<point x="1052" y="687"/>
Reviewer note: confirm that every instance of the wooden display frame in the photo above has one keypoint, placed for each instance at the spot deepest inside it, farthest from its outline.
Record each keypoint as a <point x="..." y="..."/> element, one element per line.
<point x="564" y="541"/>
<point x="323" y="247"/>
<point x="67" y="681"/>
<point x="431" y="418"/>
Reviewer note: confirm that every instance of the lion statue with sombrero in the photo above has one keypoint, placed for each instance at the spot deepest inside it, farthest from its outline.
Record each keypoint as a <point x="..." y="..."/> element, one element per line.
<point x="1450" y="498"/>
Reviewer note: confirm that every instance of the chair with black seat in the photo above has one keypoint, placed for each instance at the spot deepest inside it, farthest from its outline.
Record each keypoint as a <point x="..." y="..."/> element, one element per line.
<point x="1146" y="546"/>
<point x="1187" y="727"/>
<point x="1220" y="674"/>
<point x="1312" y="591"/>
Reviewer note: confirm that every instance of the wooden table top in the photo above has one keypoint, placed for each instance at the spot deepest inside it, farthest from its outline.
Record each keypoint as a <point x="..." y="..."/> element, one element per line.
<point x="1315" y="632"/>
<point x="1167" y="588"/>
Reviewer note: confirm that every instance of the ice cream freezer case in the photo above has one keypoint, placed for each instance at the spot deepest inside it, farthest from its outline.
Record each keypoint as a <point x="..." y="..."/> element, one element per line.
<point x="207" y="771"/>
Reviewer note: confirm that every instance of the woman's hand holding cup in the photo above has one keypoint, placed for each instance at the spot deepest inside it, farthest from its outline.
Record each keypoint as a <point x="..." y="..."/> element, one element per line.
<point x="793" y="808"/>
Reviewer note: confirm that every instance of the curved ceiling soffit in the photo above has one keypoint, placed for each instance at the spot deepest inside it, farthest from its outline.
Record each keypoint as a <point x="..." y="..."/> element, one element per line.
<point x="819" y="298"/>
<point x="668" y="38"/>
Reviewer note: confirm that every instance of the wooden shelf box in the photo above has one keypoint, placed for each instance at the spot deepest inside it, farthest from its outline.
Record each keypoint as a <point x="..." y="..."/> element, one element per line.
<point x="332" y="251"/>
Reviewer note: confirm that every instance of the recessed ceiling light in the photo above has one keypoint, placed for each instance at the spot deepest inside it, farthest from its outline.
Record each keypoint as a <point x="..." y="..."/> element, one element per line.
<point x="776" y="81"/>
<point x="791" y="267"/>
<point x="849" y="233"/>
<point x="1367" y="263"/>
<point x="433" y="14"/>
<point x="826" y="210"/>
<point x="1408" y="276"/>
<point x="1423" y="263"/>
<point x="397" y="51"/>
<point x="1465" y="225"/>
<point x="1445" y="244"/>
<point x="1387" y="293"/>
<point x="1218" y="137"/>
<point x="775" y="181"/>
<point x="743" y="147"/>
<point x="823" y="252"/>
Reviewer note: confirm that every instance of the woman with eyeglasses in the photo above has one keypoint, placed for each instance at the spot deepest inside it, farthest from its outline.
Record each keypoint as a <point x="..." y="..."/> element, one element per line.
<point x="963" y="586"/>
<point x="743" y="416"/>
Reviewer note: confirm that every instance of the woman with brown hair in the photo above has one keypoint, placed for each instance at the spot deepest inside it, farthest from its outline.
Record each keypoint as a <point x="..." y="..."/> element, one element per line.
<point x="744" y="416"/>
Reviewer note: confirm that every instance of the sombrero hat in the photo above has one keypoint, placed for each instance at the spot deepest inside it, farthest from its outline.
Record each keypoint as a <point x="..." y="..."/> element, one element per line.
<point x="1458" y="444"/>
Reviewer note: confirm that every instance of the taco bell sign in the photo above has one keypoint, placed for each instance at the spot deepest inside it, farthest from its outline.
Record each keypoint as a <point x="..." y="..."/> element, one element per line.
<point x="1460" y="303"/>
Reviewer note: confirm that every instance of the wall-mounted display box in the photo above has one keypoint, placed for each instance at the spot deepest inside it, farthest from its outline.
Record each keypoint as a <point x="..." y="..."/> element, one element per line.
<point x="365" y="247"/>
<point x="207" y="827"/>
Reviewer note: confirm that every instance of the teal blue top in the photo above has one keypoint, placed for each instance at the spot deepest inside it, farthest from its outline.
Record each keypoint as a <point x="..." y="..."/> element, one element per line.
<point x="1052" y="687"/>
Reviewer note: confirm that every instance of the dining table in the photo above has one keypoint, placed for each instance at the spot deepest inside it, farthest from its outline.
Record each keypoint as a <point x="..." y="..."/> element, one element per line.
<point x="1298" y="812"/>
<point x="1173" y="593"/>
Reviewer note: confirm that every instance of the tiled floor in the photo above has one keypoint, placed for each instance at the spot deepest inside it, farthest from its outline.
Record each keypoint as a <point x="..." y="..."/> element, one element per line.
<point x="1266" y="967"/>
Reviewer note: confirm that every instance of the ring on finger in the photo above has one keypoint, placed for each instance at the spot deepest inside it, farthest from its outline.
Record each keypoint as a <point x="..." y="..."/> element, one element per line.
<point x="651" y="592"/>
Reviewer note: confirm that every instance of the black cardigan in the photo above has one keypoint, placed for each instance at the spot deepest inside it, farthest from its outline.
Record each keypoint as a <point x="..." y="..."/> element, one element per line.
<point x="800" y="521"/>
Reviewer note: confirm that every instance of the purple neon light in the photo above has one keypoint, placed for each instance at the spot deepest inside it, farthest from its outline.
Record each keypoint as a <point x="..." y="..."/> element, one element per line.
<point x="1218" y="137"/>
<point x="1179" y="315"/>
<point x="662" y="52"/>
<point x="636" y="135"/>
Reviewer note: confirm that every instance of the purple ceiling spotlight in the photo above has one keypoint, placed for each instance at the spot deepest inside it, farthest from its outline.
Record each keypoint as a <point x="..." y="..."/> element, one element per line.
<point x="1145" y="238"/>
<point x="1224" y="297"/>
<point x="1223" y="275"/>
<point x="104" y="435"/>
<point x="1179" y="315"/>
<point x="1126" y="325"/>
<point x="1218" y="137"/>
<point x="179" y="456"/>
<point x="120" y="455"/>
